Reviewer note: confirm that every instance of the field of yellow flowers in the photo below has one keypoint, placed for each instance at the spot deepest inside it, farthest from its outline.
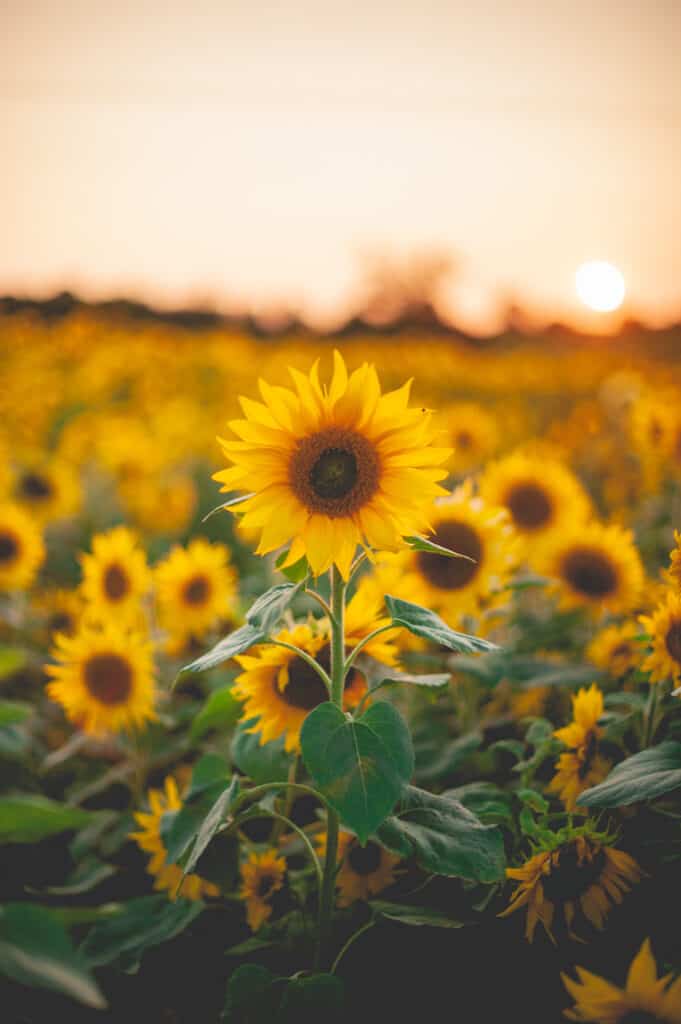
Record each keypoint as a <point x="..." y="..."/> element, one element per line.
<point x="326" y="692"/>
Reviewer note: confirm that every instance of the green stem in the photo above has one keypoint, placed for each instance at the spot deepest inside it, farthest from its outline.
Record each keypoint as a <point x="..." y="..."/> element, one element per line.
<point x="651" y="708"/>
<point x="326" y="901"/>
<point x="363" y="643"/>
<point x="255" y="792"/>
<point x="353" y="938"/>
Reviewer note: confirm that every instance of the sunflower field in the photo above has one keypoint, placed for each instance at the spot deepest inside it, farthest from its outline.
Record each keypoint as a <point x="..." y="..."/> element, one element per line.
<point x="338" y="677"/>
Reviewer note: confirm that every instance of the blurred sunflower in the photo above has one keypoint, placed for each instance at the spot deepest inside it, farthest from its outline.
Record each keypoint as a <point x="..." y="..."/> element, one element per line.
<point x="582" y="766"/>
<point x="167" y="877"/>
<point x="364" y="870"/>
<point x="115" y="576"/>
<point x="596" y="567"/>
<point x="540" y="493"/>
<point x="645" y="999"/>
<point x="262" y="876"/>
<point x="196" y="589"/>
<point x="615" y="649"/>
<point x="62" y="610"/>
<point x="581" y="873"/>
<point x="651" y="426"/>
<point x="664" y="627"/>
<point x="675" y="560"/>
<point x="472" y="432"/>
<point x="104" y="678"/>
<point x="47" y="487"/>
<point x="22" y="551"/>
<point x="333" y="468"/>
<point x="161" y="503"/>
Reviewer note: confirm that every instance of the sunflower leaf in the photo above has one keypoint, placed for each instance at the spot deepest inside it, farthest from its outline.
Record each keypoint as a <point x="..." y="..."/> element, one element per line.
<point x="227" y="504"/>
<point x="429" y="546"/>
<point x="426" y="624"/>
<point x="265" y="613"/>
<point x="444" y="837"/>
<point x="135" y="927"/>
<point x="235" y="643"/>
<point x="262" y="762"/>
<point x="359" y="765"/>
<point x="644" y="776"/>
<point x="211" y="823"/>
<point x="12" y="712"/>
<point x="27" y="818"/>
<point x="416" y="916"/>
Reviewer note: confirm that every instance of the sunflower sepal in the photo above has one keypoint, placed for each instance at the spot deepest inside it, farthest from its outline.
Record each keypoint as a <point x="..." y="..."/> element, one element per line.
<point x="426" y="624"/>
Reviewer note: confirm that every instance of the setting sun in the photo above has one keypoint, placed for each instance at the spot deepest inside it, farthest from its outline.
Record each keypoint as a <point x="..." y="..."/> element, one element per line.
<point x="600" y="286"/>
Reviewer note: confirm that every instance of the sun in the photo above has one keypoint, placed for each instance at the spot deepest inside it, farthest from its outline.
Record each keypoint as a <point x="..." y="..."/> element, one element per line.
<point x="600" y="286"/>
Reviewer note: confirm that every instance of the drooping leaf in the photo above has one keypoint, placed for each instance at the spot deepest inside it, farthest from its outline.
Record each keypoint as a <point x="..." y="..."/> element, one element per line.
<point x="211" y="823"/>
<point x="429" y="546"/>
<point x="235" y="643"/>
<point x="179" y="829"/>
<point x="392" y="676"/>
<point x="426" y="624"/>
<point x="265" y="613"/>
<point x="27" y="818"/>
<point x="644" y="776"/>
<point x="311" y="1000"/>
<point x="88" y="875"/>
<point x="488" y="802"/>
<point x="356" y="768"/>
<point x="262" y="762"/>
<point x="252" y="997"/>
<point x="220" y="711"/>
<point x="227" y="504"/>
<point x="444" y="837"/>
<point x="416" y="917"/>
<point x="13" y="712"/>
<point x="136" y="927"/>
<point x="35" y="950"/>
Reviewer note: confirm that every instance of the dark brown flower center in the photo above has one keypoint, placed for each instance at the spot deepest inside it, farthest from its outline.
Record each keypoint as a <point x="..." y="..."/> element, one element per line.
<point x="196" y="591"/>
<point x="590" y="571"/>
<point x="305" y="689"/>
<point x="463" y="440"/>
<point x="35" y="487"/>
<point x="116" y="583"/>
<point x="530" y="506"/>
<point x="108" y="678"/>
<point x="265" y="884"/>
<point x="569" y="877"/>
<point x="452" y="573"/>
<point x="334" y="472"/>
<point x="364" y="860"/>
<point x="673" y="640"/>
<point x="61" y="622"/>
<point x="9" y="547"/>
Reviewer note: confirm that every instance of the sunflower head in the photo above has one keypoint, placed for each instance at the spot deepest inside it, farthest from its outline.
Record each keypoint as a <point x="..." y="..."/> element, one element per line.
<point x="115" y="576"/>
<point x="675" y="562"/>
<point x="576" y="872"/>
<point x="472" y="433"/>
<point x="615" y="649"/>
<point x="582" y="765"/>
<point x="103" y="678"/>
<point x="21" y="548"/>
<point x="332" y="468"/>
<point x="47" y="489"/>
<point x="262" y="876"/>
<point x="364" y="871"/>
<point x="167" y="877"/>
<point x="196" y="589"/>
<point x="663" y="663"/>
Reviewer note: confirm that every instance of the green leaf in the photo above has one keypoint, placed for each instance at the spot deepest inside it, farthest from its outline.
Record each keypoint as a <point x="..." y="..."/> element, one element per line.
<point x="265" y="613"/>
<point x="11" y="660"/>
<point x="487" y="802"/>
<point x="426" y="624"/>
<point x="357" y="768"/>
<point x="136" y="927"/>
<point x="514" y="747"/>
<point x="644" y="776"/>
<point x="209" y="772"/>
<point x="539" y="732"/>
<point x="12" y="712"/>
<point x="430" y="680"/>
<point x="35" y="950"/>
<point x="235" y="643"/>
<point x="87" y="876"/>
<point x="312" y="1000"/>
<point x="297" y="572"/>
<point x="534" y="800"/>
<point x="267" y="762"/>
<point x="220" y="711"/>
<point x="444" y="837"/>
<point x="387" y="723"/>
<point x="28" y="818"/>
<point x="179" y="828"/>
<point x="416" y="916"/>
<point x="423" y="544"/>
<point x="228" y="504"/>
<point x="444" y="760"/>
<point x="211" y="823"/>
<point x="252" y="996"/>
<point x="527" y="581"/>
<point x="564" y="675"/>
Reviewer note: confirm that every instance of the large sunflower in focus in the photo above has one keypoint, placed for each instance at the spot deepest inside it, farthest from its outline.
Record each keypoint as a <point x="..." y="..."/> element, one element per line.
<point x="595" y="567"/>
<point x="104" y="679"/>
<point x="664" y="627"/>
<point x="21" y="548"/>
<point x="332" y="468"/>
<point x="115" y="576"/>
<point x="541" y="494"/>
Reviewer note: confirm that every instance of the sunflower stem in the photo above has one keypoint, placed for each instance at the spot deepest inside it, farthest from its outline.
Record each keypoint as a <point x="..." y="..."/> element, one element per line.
<point x="306" y="657"/>
<point x="363" y="643"/>
<point x="649" y="722"/>
<point x="326" y="900"/>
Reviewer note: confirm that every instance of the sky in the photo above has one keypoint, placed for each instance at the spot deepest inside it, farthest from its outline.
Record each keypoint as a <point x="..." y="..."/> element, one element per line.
<point x="258" y="154"/>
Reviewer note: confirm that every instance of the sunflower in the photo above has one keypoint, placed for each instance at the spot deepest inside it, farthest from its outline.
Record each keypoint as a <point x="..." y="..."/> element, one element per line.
<point x="21" y="548"/>
<point x="115" y="576"/>
<point x="466" y="524"/>
<point x="675" y="560"/>
<point x="645" y="999"/>
<point x="580" y="873"/>
<point x="333" y="468"/>
<point x="103" y="678"/>
<point x="582" y="766"/>
<point x="61" y="609"/>
<point x="48" y="488"/>
<point x="364" y="870"/>
<point x="167" y="877"/>
<point x="595" y="567"/>
<point x="664" y="627"/>
<point x="472" y="433"/>
<point x="540" y="493"/>
<point x="196" y="589"/>
<point x="615" y="650"/>
<point x="262" y="876"/>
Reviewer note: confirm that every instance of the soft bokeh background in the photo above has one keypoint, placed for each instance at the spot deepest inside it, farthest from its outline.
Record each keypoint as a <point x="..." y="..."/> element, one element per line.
<point x="252" y="155"/>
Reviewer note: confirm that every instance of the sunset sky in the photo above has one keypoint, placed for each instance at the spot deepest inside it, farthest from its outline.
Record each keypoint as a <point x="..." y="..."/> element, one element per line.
<point x="256" y="152"/>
